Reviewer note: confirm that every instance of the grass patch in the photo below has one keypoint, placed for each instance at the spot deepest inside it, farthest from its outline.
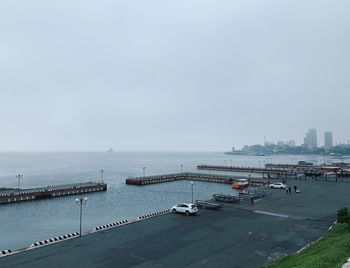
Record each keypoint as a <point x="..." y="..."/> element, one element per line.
<point x="331" y="251"/>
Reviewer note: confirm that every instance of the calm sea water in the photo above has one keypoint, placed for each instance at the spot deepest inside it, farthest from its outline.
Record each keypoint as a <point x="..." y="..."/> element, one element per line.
<point x="28" y="222"/>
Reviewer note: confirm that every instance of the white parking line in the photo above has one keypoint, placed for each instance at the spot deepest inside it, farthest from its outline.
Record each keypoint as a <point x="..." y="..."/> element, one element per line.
<point x="271" y="214"/>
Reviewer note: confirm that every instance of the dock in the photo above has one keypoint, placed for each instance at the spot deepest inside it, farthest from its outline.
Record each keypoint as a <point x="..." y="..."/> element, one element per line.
<point x="190" y="176"/>
<point x="272" y="171"/>
<point x="11" y="196"/>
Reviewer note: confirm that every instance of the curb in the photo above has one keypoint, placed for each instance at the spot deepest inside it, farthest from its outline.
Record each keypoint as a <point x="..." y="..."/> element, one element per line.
<point x="146" y="216"/>
<point x="313" y="242"/>
<point x="110" y="225"/>
<point x="54" y="240"/>
<point x="4" y="253"/>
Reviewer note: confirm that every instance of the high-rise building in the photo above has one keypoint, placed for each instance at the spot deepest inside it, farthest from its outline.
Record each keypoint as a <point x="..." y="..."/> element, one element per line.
<point x="310" y="139"/>
<point x="328" y="139"/>
<point x="291" y="143"/>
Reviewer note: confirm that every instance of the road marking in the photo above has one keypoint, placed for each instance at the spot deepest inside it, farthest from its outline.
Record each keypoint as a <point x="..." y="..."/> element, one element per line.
<point x="271" y="214"/>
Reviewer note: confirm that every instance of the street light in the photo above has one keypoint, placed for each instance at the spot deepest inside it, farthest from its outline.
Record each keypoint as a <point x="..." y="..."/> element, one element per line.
<point x="192" y="191"/>
<point x="225" y="163"/>
<point x="81" y="201"/>
<point x="144" y="171"/>
<point x="102" y="170"/>
<point x="181" y="166"/>
<point x="19" y="177"/>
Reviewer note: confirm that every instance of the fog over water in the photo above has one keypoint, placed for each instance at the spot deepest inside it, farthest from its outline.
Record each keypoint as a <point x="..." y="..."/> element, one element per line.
<point x="171" y="75"/>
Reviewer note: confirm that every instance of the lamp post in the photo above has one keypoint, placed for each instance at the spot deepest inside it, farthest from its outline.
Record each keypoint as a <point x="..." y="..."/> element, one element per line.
<point x="19" y="177"/>
<point x="102" y="170"/>
<point x="144" y="171"/>
<point x="192" y="191"/>
<point x="225" y="163"/>
<point x="182" y="167"/>
<point x="81" y="201"/>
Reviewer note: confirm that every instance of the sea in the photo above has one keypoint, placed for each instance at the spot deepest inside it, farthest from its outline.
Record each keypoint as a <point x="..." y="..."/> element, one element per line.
<point x="24" y="223"/>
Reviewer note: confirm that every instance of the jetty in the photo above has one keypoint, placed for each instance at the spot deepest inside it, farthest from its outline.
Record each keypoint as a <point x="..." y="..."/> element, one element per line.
<point x="190" y="176"/>
<point x="19" y="195"/>
<point x="272" y="171"/>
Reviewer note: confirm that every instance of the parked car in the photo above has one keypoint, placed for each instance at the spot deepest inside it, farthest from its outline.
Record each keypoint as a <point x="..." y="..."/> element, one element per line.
<point x="186" y="208"/>
<point x="278" y="185"/>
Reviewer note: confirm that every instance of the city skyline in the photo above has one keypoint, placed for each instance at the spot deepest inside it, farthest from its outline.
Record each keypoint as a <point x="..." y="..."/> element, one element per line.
<point x="326" y="139"/>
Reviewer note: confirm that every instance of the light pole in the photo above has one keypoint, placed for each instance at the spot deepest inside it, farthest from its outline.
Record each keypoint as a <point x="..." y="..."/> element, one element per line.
<point x="192" y="191"/>
<point x="102" y="170"/>
<point x="19" y="177"/>
<point x="144" y="171"/>
<point x="225" y="163"/>
<point x="81" y="201"/>
<point x="182" y="167"/>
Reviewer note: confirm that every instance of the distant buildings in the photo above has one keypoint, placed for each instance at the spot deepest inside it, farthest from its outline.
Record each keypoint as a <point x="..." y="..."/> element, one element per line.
<point x="310" y="140"/>
<point x="290" y="143"/>
<point x="328" y="139"/>
<point x="289" y="147"/>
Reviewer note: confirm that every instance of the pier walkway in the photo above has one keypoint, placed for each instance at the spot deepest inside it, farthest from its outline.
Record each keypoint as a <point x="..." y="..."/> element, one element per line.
<point x="147" y="180"/>
<point x="271" y="171"/>
<point x="11" y="196"/>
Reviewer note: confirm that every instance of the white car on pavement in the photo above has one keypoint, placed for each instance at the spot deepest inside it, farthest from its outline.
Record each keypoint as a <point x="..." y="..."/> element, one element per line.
<point x="186" y="208"/>
<point x="278" y="185"/>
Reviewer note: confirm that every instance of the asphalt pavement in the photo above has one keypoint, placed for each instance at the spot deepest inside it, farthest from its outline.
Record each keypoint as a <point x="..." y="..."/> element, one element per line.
<point x="241" y="235"/>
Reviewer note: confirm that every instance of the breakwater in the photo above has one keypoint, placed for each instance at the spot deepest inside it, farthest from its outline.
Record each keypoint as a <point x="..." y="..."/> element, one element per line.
<point x="191" y="177"/>
<point x="11" y="196"/>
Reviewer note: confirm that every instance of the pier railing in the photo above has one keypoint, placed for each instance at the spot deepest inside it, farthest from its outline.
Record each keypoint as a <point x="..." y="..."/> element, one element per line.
<point x="191" y="177"/>
<point x="50" y="191"/>
<point x="271" y="171"/>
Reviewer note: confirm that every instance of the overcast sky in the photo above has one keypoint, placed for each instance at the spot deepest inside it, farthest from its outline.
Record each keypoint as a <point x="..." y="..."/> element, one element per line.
<point x="171" y="75"/>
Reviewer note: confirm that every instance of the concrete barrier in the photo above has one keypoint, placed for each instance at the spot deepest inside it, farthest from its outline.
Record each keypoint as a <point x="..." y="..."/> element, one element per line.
<point x="54" y="240"/>
<point x="5" y="252"/>
<point x="146" y="216"/>
<point x="110" y="225"/>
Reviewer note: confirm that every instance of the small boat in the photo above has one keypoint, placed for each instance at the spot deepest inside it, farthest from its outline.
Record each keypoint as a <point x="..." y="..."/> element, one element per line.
<point x="208" y="205"/>
<point x="240" y="184"/>
<point x="226" y="198"/>
<point x="244" y="192"/>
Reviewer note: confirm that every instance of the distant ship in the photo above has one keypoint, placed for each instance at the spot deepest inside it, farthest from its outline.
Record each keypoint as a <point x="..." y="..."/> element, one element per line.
<point x="110" y="150"/>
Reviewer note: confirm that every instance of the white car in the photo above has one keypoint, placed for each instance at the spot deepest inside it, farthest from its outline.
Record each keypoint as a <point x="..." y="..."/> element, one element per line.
<point x="186" y="208"/>
<point x="278" y="185"/>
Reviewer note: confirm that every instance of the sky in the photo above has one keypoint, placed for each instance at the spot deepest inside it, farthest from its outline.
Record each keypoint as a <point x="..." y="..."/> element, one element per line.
<point x="160" y="75"/>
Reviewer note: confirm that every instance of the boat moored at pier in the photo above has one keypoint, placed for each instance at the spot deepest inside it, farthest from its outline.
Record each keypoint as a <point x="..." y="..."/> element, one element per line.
<point x="240" y="184"/>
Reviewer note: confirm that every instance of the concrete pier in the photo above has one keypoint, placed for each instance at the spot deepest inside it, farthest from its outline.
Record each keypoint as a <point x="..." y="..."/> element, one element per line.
<point x="271" y="171"/>
<point x="11" y="196"/>
<point x="147" y="180"/>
